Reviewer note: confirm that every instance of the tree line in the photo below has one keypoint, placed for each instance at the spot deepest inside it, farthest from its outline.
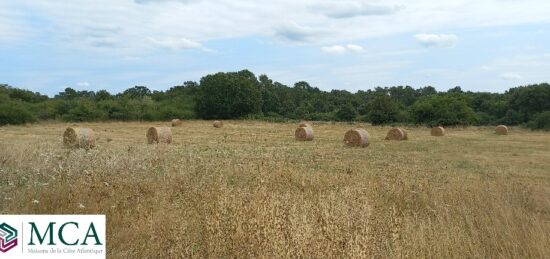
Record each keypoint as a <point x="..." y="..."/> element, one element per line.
<point x="243" y="95"/>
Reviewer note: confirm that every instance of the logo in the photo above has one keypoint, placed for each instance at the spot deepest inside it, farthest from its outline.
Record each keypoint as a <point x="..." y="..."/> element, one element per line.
<point x="53" y="236"/>
<point x="8" y="237"/>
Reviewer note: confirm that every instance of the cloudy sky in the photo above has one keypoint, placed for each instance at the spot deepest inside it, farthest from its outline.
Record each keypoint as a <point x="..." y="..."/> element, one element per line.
<point x="480" y="45"/>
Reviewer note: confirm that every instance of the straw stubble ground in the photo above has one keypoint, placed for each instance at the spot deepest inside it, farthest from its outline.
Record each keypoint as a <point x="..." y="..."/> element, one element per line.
<point x="250" y="190"/>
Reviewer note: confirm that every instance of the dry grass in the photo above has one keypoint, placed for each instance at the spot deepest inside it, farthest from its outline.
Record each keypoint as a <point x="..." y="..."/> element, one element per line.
<point x="253" y="191"/>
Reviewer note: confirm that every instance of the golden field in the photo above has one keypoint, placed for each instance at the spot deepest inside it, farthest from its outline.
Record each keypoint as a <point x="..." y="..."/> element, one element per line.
<point x="249" y="190"/>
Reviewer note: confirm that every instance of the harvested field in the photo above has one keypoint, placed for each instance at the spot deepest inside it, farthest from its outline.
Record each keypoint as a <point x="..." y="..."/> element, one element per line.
<point x="251" y="190"/>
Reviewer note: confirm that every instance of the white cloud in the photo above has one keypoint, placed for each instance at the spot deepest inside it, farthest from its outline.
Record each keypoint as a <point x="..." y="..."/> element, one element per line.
<point x="437" y="40"/>
<point x="349" y="9"/>
<point x="13" y="27"/>
<point x="355" y="48"/>
<point x="510" y="76"/>
<point x="296" y="33"/>
<point x="81" y="23"/>
<point x="525" y="68"/>
<point x="176" y="43"/>
<point x="83" y="84"/>
<point x="342" y="49"/>
<point x="336" y="49"/>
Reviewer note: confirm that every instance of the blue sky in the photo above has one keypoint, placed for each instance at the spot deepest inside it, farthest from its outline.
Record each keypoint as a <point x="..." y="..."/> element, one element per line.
<point x="488" y="45"/>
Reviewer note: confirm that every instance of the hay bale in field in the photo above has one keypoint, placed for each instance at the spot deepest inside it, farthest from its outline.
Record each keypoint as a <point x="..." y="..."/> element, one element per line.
<point x="438" y="131"/>
<point x="79" y="138"/>
<point x="356" y="138"/>
<point x="159" y="135"/>
<point x="501" y="130"/>
<point x="218" y="124"/>
<point x="176" y="122"/>
<point x="397" y="134"/>
<point x="304" y="134"/>
<point x="305" y="124"/>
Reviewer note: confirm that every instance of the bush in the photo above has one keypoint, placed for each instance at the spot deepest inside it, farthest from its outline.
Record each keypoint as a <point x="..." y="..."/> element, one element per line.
<point x="486" y="119"/>
<point x="303" y="112"/>
<point x="513" y="117"/>
<point x="346" y="113"/>
<point x="403" y="116"/>
<point x="45" y="110"/>
<point x="526" y="101"/>
<point x="15" y="113"/>
<point x="167" y="112"/>
<point x="443" y="110"/>
<point x="540" y="122"/>
<point x="323" y="116"/>
<point x="83" y="110"/>
<point x="269" y="117"/>
<point x="381" y="109"/>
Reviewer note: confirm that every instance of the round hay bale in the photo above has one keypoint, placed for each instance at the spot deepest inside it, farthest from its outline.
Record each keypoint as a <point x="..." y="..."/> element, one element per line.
<point x="305" y="124"/>
<point x="79" y="138"/>
<point x="176" y="122"/>
<point x="356" y="138"/>
<point x="159" y="135"/>
<point x="304" y="134"/>
<point x="218" y="124"/>
<point x="501" y="130"/>
<point x="438" y="131"/>
<point x="397" y="134"/>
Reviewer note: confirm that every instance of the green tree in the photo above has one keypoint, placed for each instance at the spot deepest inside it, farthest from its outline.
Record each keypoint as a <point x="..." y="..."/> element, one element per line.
<point x="102" y="95"/>
<point x="528" y="101"/>
<point x="443" y="110"/>
<point x="137" y="92"/>
<point x="228" y="95"/>
<point x="270" y="100"/>
<point x="15" y="112"/>
<point x="346" y="113"/>
<point x="541" y="122"/>
<point x="405" y="95"/>
<point x="427" y="91"/>
<point x="381" y="109"/>
<point x="83" y="109"/>
<point x="67" y="94"/>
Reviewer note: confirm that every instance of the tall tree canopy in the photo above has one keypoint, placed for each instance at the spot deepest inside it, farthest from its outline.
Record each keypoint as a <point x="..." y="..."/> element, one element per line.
<point x="241" y="94"/>
<point x="228" y="95"/>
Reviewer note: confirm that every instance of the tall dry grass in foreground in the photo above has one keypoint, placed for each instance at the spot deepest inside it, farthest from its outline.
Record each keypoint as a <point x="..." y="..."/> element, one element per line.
<point x="250" y="190"/>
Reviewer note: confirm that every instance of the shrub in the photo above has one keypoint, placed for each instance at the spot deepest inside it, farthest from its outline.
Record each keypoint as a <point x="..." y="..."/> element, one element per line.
<point x="540" y="122"/>
<point x="346" y="113"/>
<point x="323" y="116"/>
<point x="15" y="113"/>
<point x="382" y="109"/>
<point x="443" y="110"/>
<point x="83" y="110"/>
